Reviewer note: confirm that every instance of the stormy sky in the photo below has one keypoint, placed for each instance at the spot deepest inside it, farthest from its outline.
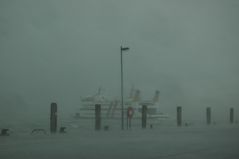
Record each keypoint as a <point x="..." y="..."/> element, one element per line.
<point x="60" y="50"/>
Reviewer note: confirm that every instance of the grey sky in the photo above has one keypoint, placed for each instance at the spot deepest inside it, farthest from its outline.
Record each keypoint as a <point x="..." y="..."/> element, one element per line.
<point x="59" y="50"/>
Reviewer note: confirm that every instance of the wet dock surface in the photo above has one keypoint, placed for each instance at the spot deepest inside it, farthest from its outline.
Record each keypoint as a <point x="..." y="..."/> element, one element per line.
<point x="219" y="142"/>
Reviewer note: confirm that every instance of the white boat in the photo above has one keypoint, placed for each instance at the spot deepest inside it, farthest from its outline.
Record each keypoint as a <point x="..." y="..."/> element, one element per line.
<point x="111" y="108"/>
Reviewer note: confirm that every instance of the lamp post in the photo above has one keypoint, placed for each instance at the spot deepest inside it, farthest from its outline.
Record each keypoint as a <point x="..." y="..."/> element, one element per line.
<point x="122" y="86"/>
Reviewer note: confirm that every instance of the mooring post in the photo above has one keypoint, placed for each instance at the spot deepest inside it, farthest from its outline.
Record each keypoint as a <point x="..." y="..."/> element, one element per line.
<point x="231" y="115"/>
<point x="97" y="117"/>
<point x="53" y="118"/>
<point x="179" y="115"/>
<point x="208" y="115"/>
<point x="144" y="116"/>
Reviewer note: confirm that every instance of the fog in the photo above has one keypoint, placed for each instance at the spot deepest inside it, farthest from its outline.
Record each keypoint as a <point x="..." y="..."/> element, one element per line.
<point x="63" y="50"/>
<point x="59" y="51"/>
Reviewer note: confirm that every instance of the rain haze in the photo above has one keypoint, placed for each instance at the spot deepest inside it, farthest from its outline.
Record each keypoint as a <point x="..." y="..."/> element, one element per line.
<point x="63" y="50"/>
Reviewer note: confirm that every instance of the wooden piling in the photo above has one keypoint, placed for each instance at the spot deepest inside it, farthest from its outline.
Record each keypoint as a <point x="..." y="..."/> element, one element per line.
<point x="144" y="116"/>
<point x="179" y="115"/>
<point x="208" y="115"/>
<point x="231" y="115"/>
<point x="53" y="118"/>
<point x="97" y="117"/>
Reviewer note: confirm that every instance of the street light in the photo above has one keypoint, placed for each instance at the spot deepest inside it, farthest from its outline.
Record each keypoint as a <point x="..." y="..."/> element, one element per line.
<point x="122" y="86"/>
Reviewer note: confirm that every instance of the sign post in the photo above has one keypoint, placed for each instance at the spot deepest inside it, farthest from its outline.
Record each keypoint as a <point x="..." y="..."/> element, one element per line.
<point x="130" y="113"/>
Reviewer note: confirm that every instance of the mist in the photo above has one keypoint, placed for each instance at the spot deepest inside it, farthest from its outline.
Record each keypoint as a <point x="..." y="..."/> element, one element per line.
<point x="58" y="51"/>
